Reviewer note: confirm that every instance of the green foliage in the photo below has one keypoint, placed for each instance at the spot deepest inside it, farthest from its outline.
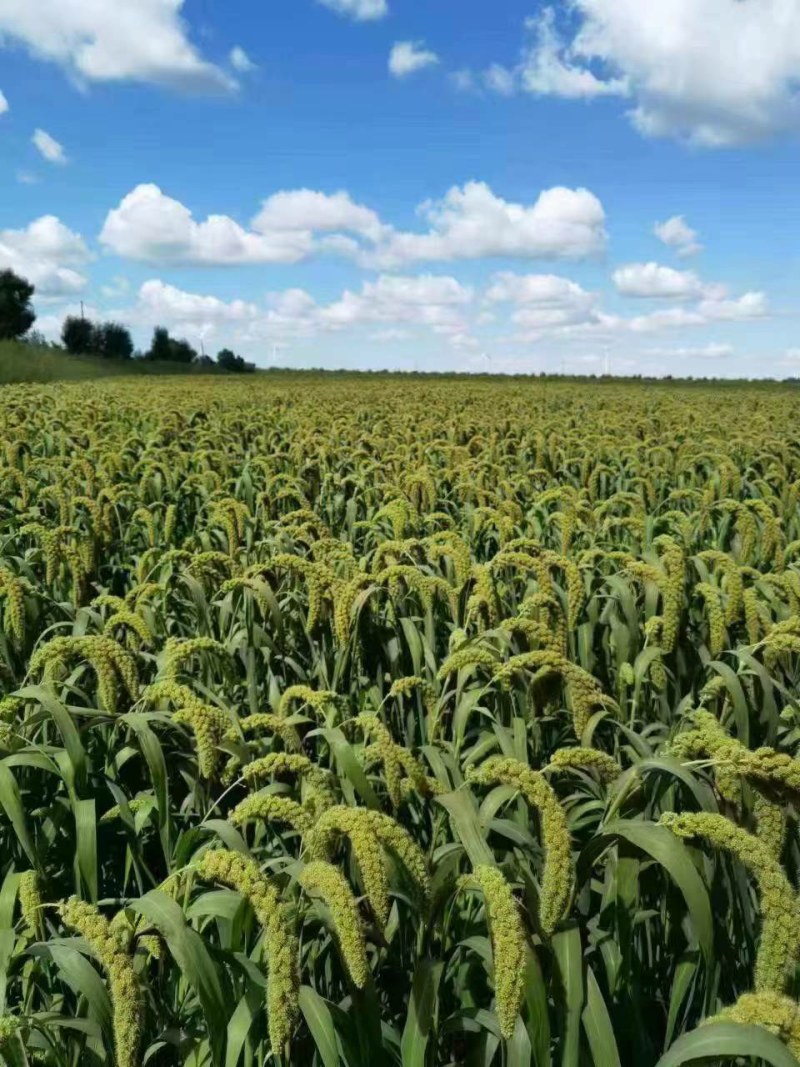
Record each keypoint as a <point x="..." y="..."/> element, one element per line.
<point x="16" y="312"/>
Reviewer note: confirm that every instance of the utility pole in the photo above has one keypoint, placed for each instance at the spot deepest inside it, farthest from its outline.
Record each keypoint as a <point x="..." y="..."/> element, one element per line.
<point x="83" y="317"/>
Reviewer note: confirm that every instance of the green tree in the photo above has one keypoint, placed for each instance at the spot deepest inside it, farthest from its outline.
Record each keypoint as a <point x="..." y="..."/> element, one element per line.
<point x="16" y="313"/>
<point x="182" y="352"/>
<point x="161" y="345"/>
<point x="229" y="361"/>
<point x="113" y="341"/>
<point x="78" y="336"/>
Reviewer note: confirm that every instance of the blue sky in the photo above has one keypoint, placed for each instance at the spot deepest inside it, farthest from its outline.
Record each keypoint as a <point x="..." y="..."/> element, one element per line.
<point x="393" y="183"/>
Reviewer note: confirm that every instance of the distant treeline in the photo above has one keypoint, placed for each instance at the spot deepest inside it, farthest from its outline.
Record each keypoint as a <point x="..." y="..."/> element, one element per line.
<point x="105" y="340"/>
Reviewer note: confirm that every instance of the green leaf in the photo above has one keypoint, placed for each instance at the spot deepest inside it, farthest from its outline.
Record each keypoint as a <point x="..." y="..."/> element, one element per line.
<point x="86" y="851"/>
<point x="729" y="1041"/>
<point x="465" y="817"/>
<point x="568" y="952"/>
<point x="673" y="855"/>
<point x="319" y="1020"/>
<point x="189" y="952"/>
<point x="11" y="802"/>
<point x="421" y="1013"/>
<point x="598" y="1026"/>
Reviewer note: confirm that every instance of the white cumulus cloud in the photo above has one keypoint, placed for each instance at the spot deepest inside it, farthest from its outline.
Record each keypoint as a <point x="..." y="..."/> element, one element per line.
<point x="3" y="103"/>
<point x="471" y="222"/>
<point x="46" y="253"/>
<point x="104" y="41"/>
<point x="150" y="226"/>
<point x="712" y="72"/>
<point x="550" y="67"/>
<point x="407" y="57"/>
<point x="677" y="234"/>
<point x="48" y="147"/>
<point x="651" y="280"/>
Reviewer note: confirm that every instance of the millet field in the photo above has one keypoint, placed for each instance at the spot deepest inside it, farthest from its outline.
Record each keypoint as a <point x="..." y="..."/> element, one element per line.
<point x="375" y="721"/>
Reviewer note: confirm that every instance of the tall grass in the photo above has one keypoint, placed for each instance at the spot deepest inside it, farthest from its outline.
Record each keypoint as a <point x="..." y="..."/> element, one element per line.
<point x="30" y="363"/>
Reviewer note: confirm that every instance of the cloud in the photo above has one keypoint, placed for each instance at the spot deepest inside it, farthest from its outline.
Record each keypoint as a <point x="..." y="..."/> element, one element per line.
<point x="303" y="210"/>
<point x="713" y="350"/>
<point x="391" y="304"/>
<point x="360" y="10"/>
<point x="747" y="306"/>
<point x="407" y="57"/>
<point x="714" y="73"/>
<point x="152" y="227"/>
<point x="102" y="41"/>
<point x="675" y="233"/>
<point x="652" y="281"/>
<point x="549" y="66"/>
<point x="46" y="253"/>
<point x="241" y="61"/>
<point x="3" y="103"/>
<point x="49" y="148"/>
<point x="471" y="222"/>
<point x="428" y="300"/>
<point x="547" y="304"/>
<point x="468" y="223"/>
<point x="499" y="79"/>
<point x="463" y="80"/>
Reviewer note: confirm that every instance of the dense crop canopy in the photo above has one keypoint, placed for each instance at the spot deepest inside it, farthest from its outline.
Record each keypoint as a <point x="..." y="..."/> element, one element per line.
<point x="378" y="721"/>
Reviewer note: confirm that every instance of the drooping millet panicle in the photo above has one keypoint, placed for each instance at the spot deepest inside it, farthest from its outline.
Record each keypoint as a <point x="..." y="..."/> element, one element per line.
<point x="112" y="953"/>
<point x="111" y="663"/>
<point x="243" y="874"/>
<point x="272" y="808"/>
<point x="712" y="599"/>
<point x="178" y="652"/>
<point x="10" y="1030"/>
<point x="585" y="694"/>
<point x="777" y="1013"/>
<point x="780" y="909"/>
<point x="585" y="759"/>
<point x="315" y="780"/>
<point x="467" y="656"/>
<point x="764" y="768"/>
<point x="508" y="942"/>
<point x="330" y="885"/>
<point x="321" y="701"/>
<point x="30" y="900"/>
<point x="340" y="821"/>
<point x="557" y="876"/>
